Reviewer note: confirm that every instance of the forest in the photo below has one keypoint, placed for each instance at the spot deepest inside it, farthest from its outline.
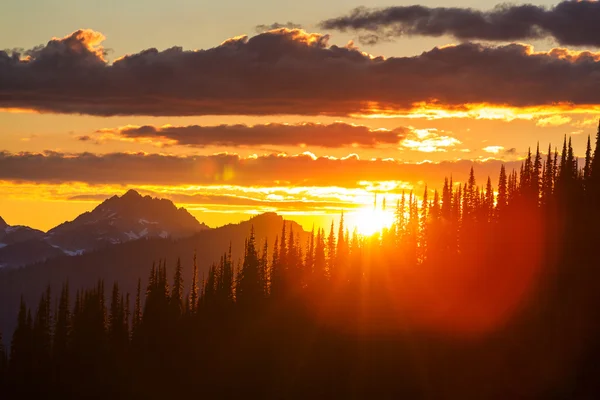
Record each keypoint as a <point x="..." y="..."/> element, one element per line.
<point x="479" y="291"/>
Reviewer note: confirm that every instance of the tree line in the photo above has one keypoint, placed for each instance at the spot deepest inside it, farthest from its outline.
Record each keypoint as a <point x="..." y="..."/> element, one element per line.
<point x="463" y="273"/>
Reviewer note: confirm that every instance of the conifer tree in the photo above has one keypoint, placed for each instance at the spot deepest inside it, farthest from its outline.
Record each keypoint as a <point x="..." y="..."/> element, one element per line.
<point x="279" y="268"/>
<point x="137" y="310"/>
<point x="310" y="252"/>
<point x="548" y="178"/>
<point x="535" y="175"/>
<point x="21" y="352"/>
<point x="502" y="191"/>
<point x="563" y="161"/>
<point x="249" y="289"/>
<point x="331" y="255"/>
<point x="595" y="167"/>
<point x="435" y="206"/>
<point x="264" y="269"/>
<point x="42" y="335"/>
<point x="587" y="169"/>
<point x="424" y="208"/>
<point x="118" y="333"/>
<point x="320" y="264"/>
<point x="456" y="205"/>
<point x="62" y="330"/>
<point x="470" y="196"/>
<point x="275" y="270"/>
<point x="446" y="200"/>
<point x="3" y="364"/>
<point x="193" y="298"/>
<point x="341" y="250"/>
<point x="176" y="300"/>
<point x="489" y="199"/>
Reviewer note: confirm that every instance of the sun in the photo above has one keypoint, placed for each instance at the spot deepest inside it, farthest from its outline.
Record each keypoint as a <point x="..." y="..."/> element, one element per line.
<point x="368" y="221"/>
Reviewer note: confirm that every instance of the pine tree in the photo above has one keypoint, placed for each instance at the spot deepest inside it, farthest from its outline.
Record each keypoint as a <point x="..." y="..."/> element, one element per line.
<point x="176" y="300"/>
<point x="320" y="263"/>
<point x="275" y="272"/>
<point x="42" y="335"/>
<point x="264" y="269"/>
<point x="249" y="290"/>
<point x="435" y="211"/>
<point x="62" y="330"/>
<point x="535" y="175"/>
<point x="341" y="251"/>
<point x="424" y="208"/>
<point x="21" y="351"/>
<point x="3" y="364"/>
<point x="137" y="311"/>
<point x="489" y="199"/>
<point x="280" y="266"/>
<point x="502" y="191"/>
<point x="117" y="331"/>
<point x="331" y="254"/>
<point x="470" y="196"/>
<point x="193" y="299"/>
<point x="446" y="200"/>
<point x="595" y="168"/>
<point x="310" y="252"/>
<point x="548" y="178"/>
<point x="587" y="169"/>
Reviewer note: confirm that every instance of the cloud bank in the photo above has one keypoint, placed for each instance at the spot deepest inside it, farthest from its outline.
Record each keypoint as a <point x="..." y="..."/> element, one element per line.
<point x="288" y="72"/>
<point x="227" y="169"/>
<point x="568" y="22"/>
<point x="275" y="134"/>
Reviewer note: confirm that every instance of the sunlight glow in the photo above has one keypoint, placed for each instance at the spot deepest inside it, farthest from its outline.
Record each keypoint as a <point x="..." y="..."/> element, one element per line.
<point x="368" y="221"/>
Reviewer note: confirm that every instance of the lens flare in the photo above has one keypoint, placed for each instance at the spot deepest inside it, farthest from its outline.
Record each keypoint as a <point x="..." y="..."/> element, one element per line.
<point x="368" y="221"/>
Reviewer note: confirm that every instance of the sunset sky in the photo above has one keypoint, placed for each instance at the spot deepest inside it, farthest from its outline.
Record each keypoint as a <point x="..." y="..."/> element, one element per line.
<point x="203" y="103"/>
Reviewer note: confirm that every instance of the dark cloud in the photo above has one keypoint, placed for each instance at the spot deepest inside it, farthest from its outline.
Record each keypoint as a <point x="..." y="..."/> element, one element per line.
<point x="569" y="22"/>
<point x="311" y="134"/>
<point x="267" y="170"/>
<point x="289" y="72"/>
<point x="84" y="138"/>
<point x="511" y="151"/>
<point x="90" y="197"/>
<point x="276" y="25"/>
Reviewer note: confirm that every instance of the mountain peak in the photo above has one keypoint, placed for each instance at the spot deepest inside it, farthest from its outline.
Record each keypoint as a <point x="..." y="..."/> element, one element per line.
<point x="131" y="194"/>
<point x="3" y="223"/>
<point x="121" y="219"/>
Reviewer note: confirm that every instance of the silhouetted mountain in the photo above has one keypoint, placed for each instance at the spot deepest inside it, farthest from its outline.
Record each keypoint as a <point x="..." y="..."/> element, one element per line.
<point x="121" y="219"/>
<point x="116" y="220"/>
<point x="127" y="262"/>
<point x="15" y="234"/>
<point x="22" y="244"/>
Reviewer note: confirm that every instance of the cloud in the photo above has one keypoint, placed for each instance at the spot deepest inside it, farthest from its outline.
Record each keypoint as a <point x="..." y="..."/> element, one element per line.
<point x="428" y="141"/>
<point x="84" y="138"/>
<point x="568" y="22"/>
<point x="229" y="169"/>
<point x="276" y="25"/>
<point x="554" y="120"/>
<point x="493" y="149"/>
<point x="289" y="72"/>
<point x="511" y="151"/>
<point x="310" y="134"/>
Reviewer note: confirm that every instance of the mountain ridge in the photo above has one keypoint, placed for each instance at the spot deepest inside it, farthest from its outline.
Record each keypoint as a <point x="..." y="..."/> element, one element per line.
<point x="117" y="219"/>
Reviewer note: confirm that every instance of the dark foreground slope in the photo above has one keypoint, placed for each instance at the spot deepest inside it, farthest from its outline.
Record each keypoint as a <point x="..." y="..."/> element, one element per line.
<point x="127" y="262"/>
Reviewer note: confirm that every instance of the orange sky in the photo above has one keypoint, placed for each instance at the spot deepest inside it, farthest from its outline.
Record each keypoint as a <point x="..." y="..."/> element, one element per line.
<point x="431" y="135"/>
